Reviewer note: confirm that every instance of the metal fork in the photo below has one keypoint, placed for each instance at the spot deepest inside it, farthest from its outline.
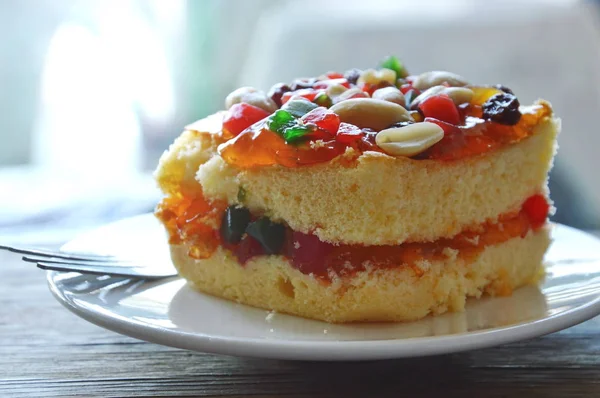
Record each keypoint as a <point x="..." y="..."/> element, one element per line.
<point x="89" y="263"/>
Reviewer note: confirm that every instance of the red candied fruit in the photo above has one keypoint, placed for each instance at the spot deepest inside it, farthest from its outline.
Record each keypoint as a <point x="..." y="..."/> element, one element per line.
<point x="334" y="75"/>
<point x="348" y="133"/>
<point x="307" y="93"/>
<point x="448" y="128"/>
<point x="536" y="207"/>
<point x="442" y="108"/>
<point x="405" y="88"/>
<point x="323" y="84"/>
<point x="326" y="121"/>
<point x="240" y="117"/>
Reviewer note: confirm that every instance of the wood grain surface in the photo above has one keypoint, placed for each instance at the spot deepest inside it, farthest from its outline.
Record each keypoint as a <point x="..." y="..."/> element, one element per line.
<point x="45" y="351"/>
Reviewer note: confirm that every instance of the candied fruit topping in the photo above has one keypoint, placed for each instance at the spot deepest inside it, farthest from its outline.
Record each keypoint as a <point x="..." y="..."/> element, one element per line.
<point x="299" y="107"/>
<point x="241" y="116"/>
<point x="277" y="91"/>
<point x="352" y="75"/>
<point x="475" y="119"/>
<point x="502" y="108"/>
<point x="440" y="107"/>
<point x="394" y="64"/>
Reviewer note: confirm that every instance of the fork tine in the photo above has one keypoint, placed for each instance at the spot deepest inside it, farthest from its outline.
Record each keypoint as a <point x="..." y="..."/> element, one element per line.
<point x="140" y="273"/>
<point x="83" y="263"/>
<point x="55" y="254"/>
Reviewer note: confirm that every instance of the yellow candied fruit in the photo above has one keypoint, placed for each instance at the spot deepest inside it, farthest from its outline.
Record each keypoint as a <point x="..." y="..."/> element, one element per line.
<point x="482" y="94"/>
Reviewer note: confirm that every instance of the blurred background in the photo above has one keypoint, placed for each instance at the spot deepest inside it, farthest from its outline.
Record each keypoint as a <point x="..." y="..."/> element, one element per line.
<point x="93" y="91"/>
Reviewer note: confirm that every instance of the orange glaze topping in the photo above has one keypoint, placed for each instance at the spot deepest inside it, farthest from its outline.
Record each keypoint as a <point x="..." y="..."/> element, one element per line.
<point x="258" y="146"/>
<point x="192" y="220"/>
<point x="469" y="134"/>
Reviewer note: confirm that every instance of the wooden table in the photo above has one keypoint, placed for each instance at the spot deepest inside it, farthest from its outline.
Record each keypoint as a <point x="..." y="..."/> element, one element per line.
<point x="47" y="351"/>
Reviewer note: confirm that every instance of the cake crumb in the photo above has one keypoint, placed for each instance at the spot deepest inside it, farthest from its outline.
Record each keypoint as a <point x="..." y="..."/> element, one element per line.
<point x="474" y="240"/>
<point x="296" y="245"/>
<point x="270" y="316"/>
<point x="317" y="144"/>
<point x="449" y="253"/>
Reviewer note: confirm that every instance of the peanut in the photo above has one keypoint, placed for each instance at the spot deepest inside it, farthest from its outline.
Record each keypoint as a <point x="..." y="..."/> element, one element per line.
<point x="459" y="95"/>
<point x="391" y="94"/>
<point x="436" y="78"/>
<point x="409" y="140"/>
<point x="370" y="113"/>
<point x="251" y="96"/>
<point x="372" y="76"/>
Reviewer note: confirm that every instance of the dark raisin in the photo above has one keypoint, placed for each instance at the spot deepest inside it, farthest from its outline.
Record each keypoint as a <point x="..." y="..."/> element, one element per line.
<point x="300" y="84"/>
<point x="401" y="124"/>
<point x="409" y="97"/>
<point x="384" y="84"/>
<point x="352" y="75"/>
<point x="234" y="223"/>
<point x="504" y="88"/>
<point x="270" y="234"/>
<point x="277" y="91"/>
<point x="502" y="108"/>
<point x="370" y="135"/>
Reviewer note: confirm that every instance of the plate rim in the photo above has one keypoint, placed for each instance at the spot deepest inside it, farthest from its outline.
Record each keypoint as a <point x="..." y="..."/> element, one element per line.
<point x="330" y="350"/>
<point x="341" y="350"/>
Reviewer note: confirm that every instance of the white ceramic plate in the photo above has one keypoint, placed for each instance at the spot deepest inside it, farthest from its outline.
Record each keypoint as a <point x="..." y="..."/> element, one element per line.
<point x="169" y="312"/>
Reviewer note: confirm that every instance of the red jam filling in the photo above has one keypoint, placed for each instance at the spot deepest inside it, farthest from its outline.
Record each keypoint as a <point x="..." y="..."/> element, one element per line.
<point x="196" y="222"/>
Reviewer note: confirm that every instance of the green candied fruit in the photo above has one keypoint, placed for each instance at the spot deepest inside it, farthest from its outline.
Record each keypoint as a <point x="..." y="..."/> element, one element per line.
<point x="299" y="108"/>
<point x="234" y="223"/>
<point x="297" y="132"/>
<point x="269" y="234"/>
<point x="280" y="120"/>
<point x="286" y="125"/>
<point x="394" y="64"/>
<point x="323" y="100"/>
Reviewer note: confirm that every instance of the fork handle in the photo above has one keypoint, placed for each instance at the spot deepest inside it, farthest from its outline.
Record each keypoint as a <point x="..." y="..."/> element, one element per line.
<point x="54" y="254"/>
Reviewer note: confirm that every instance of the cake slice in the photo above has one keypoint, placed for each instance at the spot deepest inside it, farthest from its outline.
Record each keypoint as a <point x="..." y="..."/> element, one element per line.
<point x="372" y="195"/>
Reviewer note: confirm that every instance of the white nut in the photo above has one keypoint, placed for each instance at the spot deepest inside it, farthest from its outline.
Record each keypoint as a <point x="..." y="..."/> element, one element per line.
<point x="409" y="140"/>
<point x="251" y="96"/>
<point x="372" y="76"/>
<point x="459" y="95"/>
<point x="368" y="112"/>
<point x="335" y="90"/>
<point x="391" y="94"/>
<point x="435" y="78"/>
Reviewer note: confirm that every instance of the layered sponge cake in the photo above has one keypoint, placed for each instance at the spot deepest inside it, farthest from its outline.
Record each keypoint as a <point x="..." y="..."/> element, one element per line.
<point x="373" y="195"/>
